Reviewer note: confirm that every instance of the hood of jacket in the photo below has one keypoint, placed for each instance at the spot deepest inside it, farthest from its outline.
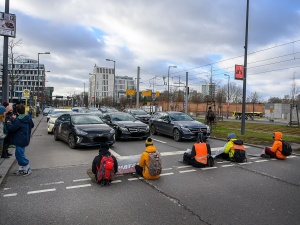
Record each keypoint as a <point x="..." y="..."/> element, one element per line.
<point x="24" y="118"/>
<point x="150" y="149"/>
<point x="277" y="136"/>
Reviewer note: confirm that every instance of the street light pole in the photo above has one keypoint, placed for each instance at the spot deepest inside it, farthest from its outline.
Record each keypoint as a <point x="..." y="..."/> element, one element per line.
<point x="94" y="89"/>
<point x="114" y="88"/>
<point x="43" y="53"/>
<point x="227" y="95"/>
<point x="169" y="85"/>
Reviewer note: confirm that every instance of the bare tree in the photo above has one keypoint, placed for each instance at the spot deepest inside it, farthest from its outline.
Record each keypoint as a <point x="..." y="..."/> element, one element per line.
<point x="254" y="97"/>
<point x="294" y="90"/>
<point x="12" y="56"/>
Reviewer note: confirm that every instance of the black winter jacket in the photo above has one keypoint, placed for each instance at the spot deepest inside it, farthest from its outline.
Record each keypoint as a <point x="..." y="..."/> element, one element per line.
<point x="98" y="159"/>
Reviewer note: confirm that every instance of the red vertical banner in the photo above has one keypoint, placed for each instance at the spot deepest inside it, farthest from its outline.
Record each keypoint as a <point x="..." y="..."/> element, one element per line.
<point x="239" y="72"/>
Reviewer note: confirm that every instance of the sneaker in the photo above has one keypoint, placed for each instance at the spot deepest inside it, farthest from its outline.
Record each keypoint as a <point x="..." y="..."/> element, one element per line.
<point x="265" y="156"/>
<point x="28" y="172"/>
<point x="9" y="154"/>
<point x="19" y="172"/>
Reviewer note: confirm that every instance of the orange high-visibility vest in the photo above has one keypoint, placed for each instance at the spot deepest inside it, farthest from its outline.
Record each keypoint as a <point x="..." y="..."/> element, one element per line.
<point x="201" y="153"/>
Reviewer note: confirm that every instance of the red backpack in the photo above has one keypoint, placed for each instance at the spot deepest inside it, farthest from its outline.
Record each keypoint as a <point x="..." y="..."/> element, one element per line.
<point x="105" y="171"/>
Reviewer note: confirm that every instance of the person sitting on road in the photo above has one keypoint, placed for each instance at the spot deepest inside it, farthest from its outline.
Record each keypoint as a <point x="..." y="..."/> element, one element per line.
<point x="150" y="162"/>
<point x="103" y="151"/>
<point x="200" y="155"/>
<point x="275" y="150"/>
<point x="234" y="150"/>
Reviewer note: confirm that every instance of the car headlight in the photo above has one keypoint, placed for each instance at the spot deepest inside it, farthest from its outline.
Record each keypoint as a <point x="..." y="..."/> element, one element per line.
<point x="112" y="131"/>
<point x="123" y="129"/>
<point x="185" y="129"/>
<point x="51" y="121"/>
<point x="147" y="128"/>
<point x="80" y="132"/>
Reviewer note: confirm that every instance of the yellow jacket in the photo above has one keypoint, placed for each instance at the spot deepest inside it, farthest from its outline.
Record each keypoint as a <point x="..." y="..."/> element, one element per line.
<point x="145" y="161"/>
<point x="228" y="147"/>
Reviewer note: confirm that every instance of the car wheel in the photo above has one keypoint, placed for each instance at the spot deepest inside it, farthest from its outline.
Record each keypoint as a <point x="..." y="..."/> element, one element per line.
<point x="56" y="135"/>
<point x="176" y="135"/>
<point x="71" y="141"/>
<point x="117" y="137"/>
<point x="153" y="129"/>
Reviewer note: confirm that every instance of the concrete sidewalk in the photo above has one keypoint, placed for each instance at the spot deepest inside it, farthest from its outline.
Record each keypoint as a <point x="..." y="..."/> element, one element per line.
<point x="5" y="164"/>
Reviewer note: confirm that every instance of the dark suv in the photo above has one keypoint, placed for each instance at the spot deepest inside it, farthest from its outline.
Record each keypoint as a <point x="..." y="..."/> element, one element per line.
<point x="178" y="125"/>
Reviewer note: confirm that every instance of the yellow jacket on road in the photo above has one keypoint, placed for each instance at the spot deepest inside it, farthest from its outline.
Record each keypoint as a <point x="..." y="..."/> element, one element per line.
<point x="145" y="162"/>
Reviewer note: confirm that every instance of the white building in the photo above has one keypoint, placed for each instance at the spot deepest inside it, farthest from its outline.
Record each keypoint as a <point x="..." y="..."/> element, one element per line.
<point x="101" y="85"/>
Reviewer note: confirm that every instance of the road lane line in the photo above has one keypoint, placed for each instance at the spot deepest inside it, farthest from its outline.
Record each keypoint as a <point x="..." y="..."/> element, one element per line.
<point x="244" y="163"/>
<point x="41" y="191"/>
<point x="209" y="168"/>
<point x="78" y="186"/>
<point x="227" y="165"/>
<point x="187" y="171"/>
<point x="114" y="153"/>
<point x="116" y="181"/>
<point x="263" y="160"/>
<point x="84" y="179"/>
<point x="159" y="141"/>
<point x="166" y="174"/>
<point x="167" y="168"/>
<point x="10" y="195"/>
<point x="132" y="179"/>
<point x="180" y="167"/>
<point x="59" y="182"/>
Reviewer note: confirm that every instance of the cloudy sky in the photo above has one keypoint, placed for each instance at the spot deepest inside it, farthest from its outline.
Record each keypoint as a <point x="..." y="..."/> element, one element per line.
<point x="202" y="37"/>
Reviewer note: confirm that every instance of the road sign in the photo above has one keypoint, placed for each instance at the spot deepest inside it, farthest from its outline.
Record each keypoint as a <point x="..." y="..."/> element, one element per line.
<point x="26" y="93"/>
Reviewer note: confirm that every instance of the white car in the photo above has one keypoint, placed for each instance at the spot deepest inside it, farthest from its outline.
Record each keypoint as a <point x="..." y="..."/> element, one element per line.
<point x="54" y="115"/>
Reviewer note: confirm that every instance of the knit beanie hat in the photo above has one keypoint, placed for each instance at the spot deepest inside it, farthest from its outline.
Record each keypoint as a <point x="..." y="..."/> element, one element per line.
<point x="149" y="141"/>
<point x="2" y="109"/>
<point x="5" y="104"/>
<point x="103" y="147"/>
<point x="232" y="135"/>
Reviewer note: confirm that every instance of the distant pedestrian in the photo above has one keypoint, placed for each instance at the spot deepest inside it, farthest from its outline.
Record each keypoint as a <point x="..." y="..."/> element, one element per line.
<point x="15" y="108"/>
<point x="210" y="116"/>
<point x="30" y="112"/>
<point x="5" y="104"/>
<point x="20" y="129"/>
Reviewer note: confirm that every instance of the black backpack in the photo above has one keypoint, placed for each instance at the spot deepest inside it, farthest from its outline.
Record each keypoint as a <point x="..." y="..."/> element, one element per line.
<point x="286" y="148"/>
<point x="239" y="152"/>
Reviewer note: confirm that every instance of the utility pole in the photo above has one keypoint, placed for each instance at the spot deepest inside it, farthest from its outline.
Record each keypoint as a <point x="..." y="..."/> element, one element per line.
<point x="186" y="92"/>
<point x="5" y="80"/>
<point x="137" y="88"/>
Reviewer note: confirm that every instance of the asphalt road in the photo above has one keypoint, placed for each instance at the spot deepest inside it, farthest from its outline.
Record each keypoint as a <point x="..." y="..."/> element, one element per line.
<point x="60" y="192"/>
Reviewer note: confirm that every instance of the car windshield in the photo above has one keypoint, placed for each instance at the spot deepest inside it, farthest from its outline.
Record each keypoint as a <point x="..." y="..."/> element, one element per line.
<point x="122" y="117"/>
<point x="56" y="115"/>
<point x="56" y="112"/>
<point x="138" y="112"/>
<point x="86" y="119"/>
<point x="180" y="117"/>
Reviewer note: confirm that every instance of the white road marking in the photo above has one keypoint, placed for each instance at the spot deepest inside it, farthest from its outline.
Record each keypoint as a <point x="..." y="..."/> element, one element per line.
<point x="59" y="182"/>
<point x="159" y="141"/>
<point x="116" y="181"/>
<point x="291" y="156"/>
<point x="85" y="179"/>
<point x="167" y="168"/>
<point x="5" y="189"/>
<point x="78" y="186"/>
<point x="244" y="163"/>
<point x="273" y="159"/>
<point x="263" y="160"/>
<point x="172" y="153"/>
<point x="131" y="179"/>
<point x="227" y="165"/>
<point x="186" y="171"/>
<point x="41" y="191"/>
<point x="166" y="174"/>
<point x="180" y="167"/>
<point x="10" y="195"/>
<point x="209" y="168"/>
<point x="114" y="153"/>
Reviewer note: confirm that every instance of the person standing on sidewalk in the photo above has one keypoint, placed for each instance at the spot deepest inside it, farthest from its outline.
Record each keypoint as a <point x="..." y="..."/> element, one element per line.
<point x="2" y="130"/>
<point x="7" y="141"/>
<point x="20" y="130"/>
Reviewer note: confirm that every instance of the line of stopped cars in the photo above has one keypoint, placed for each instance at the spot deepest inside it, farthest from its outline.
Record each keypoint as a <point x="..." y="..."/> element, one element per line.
<point x="88" y="128"/>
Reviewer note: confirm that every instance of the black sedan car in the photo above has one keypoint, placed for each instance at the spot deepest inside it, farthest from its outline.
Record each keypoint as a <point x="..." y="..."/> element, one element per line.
<point x="139" y="114"/>
<point x="82" y="130"/>
<point x="177" y="125"/>
<point x="126" y="126"/>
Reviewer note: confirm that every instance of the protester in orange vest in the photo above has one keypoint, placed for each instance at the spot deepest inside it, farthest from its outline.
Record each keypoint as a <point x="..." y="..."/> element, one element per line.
<point x="200" y="154"/>
<point x="275" y="150"/>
